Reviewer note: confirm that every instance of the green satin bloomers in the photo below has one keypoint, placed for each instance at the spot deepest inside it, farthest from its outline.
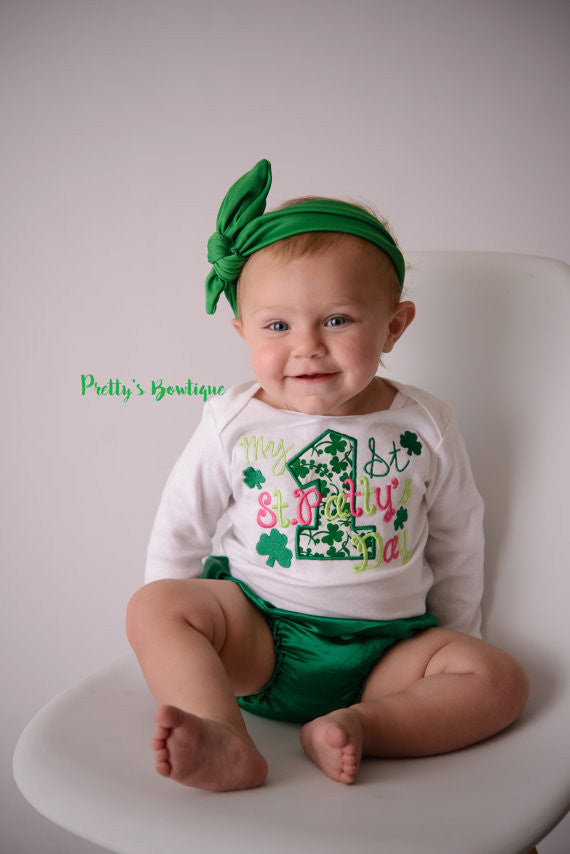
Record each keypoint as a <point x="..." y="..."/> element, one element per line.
<point x="243" y="228"/>
<point x="321" y="663"/>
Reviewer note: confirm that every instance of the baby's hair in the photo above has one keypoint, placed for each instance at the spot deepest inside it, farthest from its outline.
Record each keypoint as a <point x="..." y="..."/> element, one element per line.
<point x="315" y="242"/>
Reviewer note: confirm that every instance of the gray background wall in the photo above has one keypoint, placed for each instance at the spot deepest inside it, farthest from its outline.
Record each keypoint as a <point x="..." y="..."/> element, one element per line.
<point x="123" y="123"/>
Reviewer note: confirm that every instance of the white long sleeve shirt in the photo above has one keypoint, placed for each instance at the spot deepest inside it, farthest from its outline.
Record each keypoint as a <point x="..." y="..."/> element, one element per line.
<point x="363" y="516"/>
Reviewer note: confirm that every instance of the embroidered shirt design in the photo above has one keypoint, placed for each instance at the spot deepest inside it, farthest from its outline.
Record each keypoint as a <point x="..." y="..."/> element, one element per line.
<point x="332" y="516"/>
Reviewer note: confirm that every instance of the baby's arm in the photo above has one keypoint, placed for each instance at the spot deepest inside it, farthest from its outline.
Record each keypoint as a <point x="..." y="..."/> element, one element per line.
<point x="455" y="547"/>
<point x="194" y="499"/>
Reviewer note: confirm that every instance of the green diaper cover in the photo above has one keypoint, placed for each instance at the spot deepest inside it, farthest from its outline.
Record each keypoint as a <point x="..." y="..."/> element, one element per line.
<point x="321" y="663"/>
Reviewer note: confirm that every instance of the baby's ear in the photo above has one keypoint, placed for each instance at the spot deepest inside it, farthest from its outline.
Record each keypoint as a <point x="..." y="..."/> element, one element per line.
<point x="238" y="326"/>
<point x="403" y="315"/>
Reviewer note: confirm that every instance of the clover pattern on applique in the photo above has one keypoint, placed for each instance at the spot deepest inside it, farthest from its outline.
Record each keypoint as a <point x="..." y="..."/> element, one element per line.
<point x="411" y="443"/>
<point x="253" y="477"/>
<point x="329" y="457"/>
<point x="299" y="468"/>
<point x="324" y="464"/>
<point x="334" y="534"/>
<point x="332" y="541"/>
<point x="336" y="444"/>
<point x="274" y="545"/>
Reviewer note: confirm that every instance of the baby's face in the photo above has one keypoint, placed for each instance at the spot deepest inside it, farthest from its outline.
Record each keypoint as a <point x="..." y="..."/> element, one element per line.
<point x="316" y="327"/>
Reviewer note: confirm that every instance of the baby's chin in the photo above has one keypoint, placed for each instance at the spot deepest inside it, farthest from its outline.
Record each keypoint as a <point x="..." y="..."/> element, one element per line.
<point x="305" y="406"/>
<point x="313" y="405"/>
<point x="318" y="397"/>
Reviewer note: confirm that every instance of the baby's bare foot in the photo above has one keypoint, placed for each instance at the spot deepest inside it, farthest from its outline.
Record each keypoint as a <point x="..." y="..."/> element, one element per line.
<point x="334" y="743"/>
<point x="205" y="754"/>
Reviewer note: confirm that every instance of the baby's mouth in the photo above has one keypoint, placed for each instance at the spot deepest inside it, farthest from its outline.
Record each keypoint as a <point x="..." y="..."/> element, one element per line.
<point x="314" y="377"/>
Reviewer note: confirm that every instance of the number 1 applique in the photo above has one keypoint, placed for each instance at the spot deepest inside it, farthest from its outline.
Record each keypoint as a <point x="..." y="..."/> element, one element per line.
<point x="323" y="467"/>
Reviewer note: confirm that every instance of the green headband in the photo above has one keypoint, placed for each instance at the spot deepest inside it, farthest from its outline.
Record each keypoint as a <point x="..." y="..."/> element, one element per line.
<point x="243" y="228"/>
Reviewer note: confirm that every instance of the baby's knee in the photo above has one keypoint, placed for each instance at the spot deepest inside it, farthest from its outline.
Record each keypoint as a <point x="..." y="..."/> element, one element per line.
<point x="502" y="679"/>
<point x="185" y="601"/>
<point x="149" y="602"/>
<point x="508" y="685"/>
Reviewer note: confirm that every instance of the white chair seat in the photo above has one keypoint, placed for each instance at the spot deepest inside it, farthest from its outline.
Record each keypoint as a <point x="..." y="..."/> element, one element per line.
<point x="492" y="338"/>
<point x="84" y="762"/>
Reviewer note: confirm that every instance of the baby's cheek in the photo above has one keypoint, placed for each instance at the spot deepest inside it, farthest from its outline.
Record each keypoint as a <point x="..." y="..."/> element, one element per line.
<point x="265" y="362"/>
<point x="363" y="352"/>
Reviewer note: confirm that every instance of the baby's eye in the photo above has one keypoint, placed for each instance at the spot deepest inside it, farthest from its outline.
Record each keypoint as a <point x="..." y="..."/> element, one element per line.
<point x="278" y="326"/>
<point x="336" y="321"/>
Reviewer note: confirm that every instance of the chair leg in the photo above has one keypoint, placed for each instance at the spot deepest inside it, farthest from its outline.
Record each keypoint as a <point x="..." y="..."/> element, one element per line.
<point x="534" y="850"/>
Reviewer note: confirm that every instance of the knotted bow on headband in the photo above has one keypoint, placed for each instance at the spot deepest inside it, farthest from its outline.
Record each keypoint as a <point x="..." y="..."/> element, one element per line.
<point x="243" y="228"/>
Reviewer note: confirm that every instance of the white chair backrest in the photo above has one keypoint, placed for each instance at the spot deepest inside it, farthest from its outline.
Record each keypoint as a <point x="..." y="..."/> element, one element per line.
<point x="492" y="337"/>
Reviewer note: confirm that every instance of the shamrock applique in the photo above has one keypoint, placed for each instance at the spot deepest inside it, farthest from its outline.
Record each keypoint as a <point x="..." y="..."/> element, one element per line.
<point x="401" y="518"/>
<point x="410" y="441"/>
<point x="274" y="545"/>
<point x="253" y="477"/>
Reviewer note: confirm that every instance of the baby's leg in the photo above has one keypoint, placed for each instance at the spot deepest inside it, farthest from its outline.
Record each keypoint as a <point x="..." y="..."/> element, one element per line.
<point x="200" y="643"/>
<point x="434" y="693"/>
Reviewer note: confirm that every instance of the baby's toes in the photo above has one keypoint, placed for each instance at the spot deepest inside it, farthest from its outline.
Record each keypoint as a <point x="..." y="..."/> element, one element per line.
<point x="161" y="732"/>
<point x="158" y="743"/>
<point x="163" y="767"/>
<point x="350" y="767"/>
<point x="162" y="755"/>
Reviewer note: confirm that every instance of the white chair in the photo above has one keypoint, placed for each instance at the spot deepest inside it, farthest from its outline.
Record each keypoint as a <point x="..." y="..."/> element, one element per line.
<point x="492" y="337"/>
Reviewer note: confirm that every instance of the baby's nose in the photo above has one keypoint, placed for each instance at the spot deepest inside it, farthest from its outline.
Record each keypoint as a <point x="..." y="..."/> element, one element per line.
<point x="309" y="344"/>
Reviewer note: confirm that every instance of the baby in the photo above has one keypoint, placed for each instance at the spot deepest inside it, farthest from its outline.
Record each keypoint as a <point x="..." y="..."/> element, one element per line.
<point x="349" y="595"/>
